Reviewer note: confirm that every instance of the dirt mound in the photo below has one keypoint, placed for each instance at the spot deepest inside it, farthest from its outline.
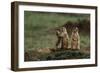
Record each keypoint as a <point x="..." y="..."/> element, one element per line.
<point x="48" y="54"/>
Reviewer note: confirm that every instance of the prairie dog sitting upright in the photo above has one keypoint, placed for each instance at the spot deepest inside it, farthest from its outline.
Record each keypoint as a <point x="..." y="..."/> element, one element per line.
<point x="63" y="38"/>
<point x="75" y="39"/>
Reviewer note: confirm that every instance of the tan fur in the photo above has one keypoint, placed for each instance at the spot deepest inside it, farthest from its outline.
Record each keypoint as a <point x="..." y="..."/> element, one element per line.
<point x="65" y="38"/>
<point x="62" y="38"/>
<point x="59" y="38"/>
<point x="75" y="39"/>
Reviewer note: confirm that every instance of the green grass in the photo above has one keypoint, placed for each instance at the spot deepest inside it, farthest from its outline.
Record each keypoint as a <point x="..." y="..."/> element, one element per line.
<point x="38" y="26"/>
<point x="85" y="41"/>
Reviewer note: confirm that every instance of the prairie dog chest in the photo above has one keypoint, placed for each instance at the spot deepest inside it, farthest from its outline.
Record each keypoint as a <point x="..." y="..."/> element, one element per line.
<point x="75" y="36"/>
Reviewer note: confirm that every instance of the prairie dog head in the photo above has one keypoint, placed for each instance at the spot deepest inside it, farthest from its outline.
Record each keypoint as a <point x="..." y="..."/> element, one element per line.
<point x="60" y="32"/>
<point x="64" y="29"/>
<point x="75" y="29"/>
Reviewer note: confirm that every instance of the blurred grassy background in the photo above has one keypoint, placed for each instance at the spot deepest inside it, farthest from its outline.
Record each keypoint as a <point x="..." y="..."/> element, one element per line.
<point x="37" y="27"/>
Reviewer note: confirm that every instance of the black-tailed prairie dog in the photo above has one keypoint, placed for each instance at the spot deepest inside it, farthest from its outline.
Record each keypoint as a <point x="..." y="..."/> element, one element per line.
<point x="75" y="39"/>
<point x="63" y="38"/>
